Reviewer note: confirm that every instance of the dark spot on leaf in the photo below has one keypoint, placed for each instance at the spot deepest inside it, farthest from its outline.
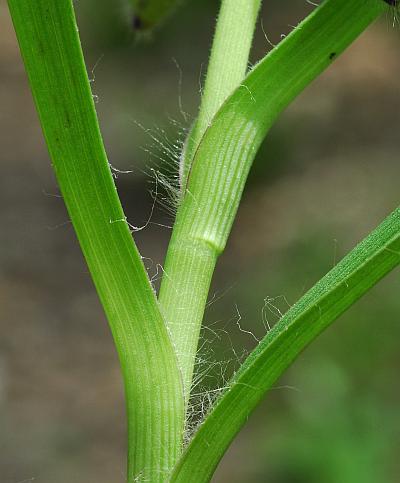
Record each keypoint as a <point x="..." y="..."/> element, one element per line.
<point x="332" y="55"/>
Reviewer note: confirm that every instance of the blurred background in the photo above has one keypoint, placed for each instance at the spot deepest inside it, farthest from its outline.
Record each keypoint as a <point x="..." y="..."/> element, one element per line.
<point x="327" y="174"/>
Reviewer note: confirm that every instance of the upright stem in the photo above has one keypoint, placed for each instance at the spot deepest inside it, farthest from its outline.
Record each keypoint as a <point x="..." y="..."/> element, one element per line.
<point x="190" y="263"/>
<point x="227" y="149"/>
<point x="226" y="69"/>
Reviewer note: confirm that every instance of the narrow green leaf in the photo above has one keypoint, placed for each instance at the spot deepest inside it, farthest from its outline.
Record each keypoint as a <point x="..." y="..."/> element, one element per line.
<point x="50" y="47"/>
<point x="363" y="267"/>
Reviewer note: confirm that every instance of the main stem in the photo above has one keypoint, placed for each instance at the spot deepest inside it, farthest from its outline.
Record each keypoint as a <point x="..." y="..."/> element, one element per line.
<point x="226" y="69"/>
<point x="226" y="151"/>
<point x="190" y="263"/>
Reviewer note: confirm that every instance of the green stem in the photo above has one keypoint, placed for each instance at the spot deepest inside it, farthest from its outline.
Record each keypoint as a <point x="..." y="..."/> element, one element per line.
<point x="50" y="47"/>
<point x="362" y="268"/>
<point x="190" y="263"/>
<point x="226" y="69"/>
<point x="224" y="156"/>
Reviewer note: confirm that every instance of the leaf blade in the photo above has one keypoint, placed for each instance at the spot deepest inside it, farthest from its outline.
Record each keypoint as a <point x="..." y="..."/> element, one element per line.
<point x="362" y="268"/>
<point x="50" y="46"/>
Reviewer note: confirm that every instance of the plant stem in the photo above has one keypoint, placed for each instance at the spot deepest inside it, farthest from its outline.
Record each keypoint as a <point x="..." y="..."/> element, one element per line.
<point x="227" y="149"/>
<point x="362" y="268"/>
<point x="226" y="69"/>
<point x="190" y="263"/>
<point x="50" y="47"/>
